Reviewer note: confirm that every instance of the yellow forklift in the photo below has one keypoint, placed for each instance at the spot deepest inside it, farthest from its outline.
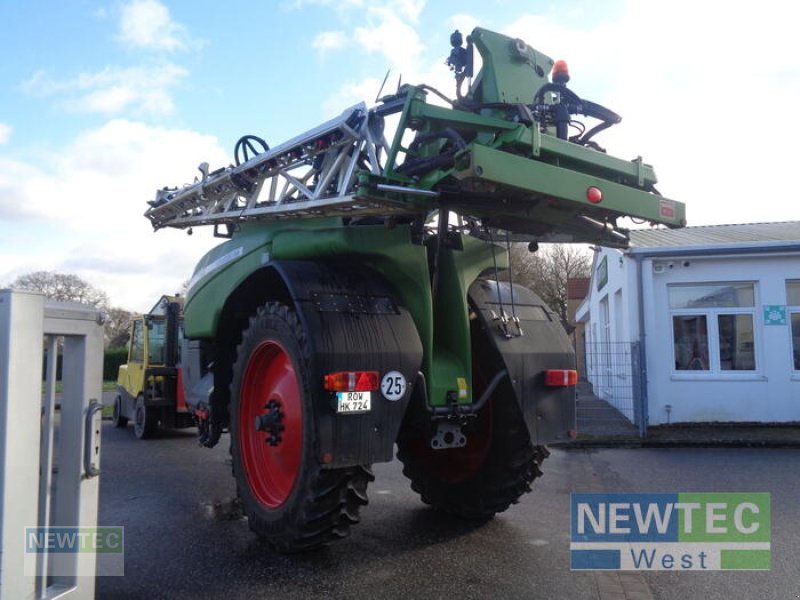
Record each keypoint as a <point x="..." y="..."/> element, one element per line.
<point x="149" y="386"/>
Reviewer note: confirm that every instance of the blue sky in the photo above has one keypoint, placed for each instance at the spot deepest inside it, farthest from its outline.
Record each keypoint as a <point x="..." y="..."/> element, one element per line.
<point x="102" y="102"/>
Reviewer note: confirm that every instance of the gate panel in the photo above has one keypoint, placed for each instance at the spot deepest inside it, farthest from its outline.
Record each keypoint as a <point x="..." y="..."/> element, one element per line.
<point x="49" y="459"/>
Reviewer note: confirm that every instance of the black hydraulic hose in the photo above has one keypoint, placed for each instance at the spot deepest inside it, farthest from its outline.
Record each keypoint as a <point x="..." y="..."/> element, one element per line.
<point x="584" y="139"/>
<point x="569" y="104"/>
<point x="447" y="133"/>
<point x="418" y="166"/>
<point x="563" y="91"/>
<point x="466" y="409"/>
<point x="438" y="93"/>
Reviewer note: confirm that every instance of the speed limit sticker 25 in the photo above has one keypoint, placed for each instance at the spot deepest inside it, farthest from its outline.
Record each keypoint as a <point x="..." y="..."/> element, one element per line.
<point x="393" y="386"/>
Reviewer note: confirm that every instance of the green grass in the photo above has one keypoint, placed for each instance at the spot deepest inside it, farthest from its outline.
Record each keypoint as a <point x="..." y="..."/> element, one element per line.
<point x="108" y="386"/>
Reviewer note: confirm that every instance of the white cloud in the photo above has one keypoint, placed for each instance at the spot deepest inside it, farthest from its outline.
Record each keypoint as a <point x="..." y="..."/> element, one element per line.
<point x="388" y="31"/>
<point x="410" y="9"/>
<point x="340" y="5"/>
<point x="696" y="103"/>
<point x="5" y="133"/>
<point x="702" y="88"/>
<point x="353" y="93"/>
<point x="396" y="39"/>
<point x="85" y="205"/>
<point x="142" y="90"/>
<point x="13" y="175"/>
<point x="464" y="23"/>
<point x="147" y="24"/>
<point x="329" y="40"/>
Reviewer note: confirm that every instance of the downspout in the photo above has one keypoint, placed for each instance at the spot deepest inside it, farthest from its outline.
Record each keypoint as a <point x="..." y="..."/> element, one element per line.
<point x="643" y="388"/>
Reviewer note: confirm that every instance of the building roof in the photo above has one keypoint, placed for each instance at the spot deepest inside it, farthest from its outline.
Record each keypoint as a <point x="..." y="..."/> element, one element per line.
<point x="716" y="235"/>
<point x="577" y="288"/>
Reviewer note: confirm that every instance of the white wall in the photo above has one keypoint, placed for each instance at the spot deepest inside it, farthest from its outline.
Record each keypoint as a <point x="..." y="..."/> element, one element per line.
<point x="610" y="313"/>
<point x="771" y="393"/>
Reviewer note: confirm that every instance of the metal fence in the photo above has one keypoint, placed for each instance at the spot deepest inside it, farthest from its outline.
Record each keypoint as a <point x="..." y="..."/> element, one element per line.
<point x="617" y="394"/>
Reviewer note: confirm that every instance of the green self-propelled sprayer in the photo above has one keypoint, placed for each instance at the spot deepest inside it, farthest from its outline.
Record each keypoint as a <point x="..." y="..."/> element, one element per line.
<point x="356" y="303"/>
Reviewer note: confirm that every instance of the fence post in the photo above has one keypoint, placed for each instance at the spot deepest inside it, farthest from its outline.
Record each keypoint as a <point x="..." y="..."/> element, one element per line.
<point x="21" y="331"/>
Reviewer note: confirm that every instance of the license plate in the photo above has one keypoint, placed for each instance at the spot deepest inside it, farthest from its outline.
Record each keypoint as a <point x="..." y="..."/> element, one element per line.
<point x="353" y="402"/>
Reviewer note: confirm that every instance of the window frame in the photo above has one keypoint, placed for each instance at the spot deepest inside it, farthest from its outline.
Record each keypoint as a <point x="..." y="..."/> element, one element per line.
<point x="792" y="309"/>
<point x="156" y="341"/>
<point x="137" y="351"/>
<point x="712" y="314"/>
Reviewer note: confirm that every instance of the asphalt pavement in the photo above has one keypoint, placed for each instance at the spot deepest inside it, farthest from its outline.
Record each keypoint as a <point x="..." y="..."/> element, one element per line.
<point x="185" y="539"/>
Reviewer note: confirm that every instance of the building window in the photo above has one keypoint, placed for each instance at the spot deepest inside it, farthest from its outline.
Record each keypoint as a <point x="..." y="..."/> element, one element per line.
<point x="793" y="300"/>
<point x="690" y="333"/>
<point x="713" y="326"/>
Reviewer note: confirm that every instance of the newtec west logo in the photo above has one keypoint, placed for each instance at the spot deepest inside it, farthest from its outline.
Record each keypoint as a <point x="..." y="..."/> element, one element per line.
<point x="671" y="532"/>
<point x="67" y="551"/>
<point x="73" y="540"/>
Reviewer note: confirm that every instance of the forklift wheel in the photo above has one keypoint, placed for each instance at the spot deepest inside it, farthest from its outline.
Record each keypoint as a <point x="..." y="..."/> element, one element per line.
<point x="145" y="422"/>
<point x="118" y="419"/>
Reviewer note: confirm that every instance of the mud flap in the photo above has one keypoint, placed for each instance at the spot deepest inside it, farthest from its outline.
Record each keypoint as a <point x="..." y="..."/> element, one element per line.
<point x="355" y="322"/>
<point x="526" y="352"/>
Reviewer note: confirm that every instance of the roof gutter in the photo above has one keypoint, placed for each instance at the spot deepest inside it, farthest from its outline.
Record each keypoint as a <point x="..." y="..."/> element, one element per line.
<point x="717" y="250"/>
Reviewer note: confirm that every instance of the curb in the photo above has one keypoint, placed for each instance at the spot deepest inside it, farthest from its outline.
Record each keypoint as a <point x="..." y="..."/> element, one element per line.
<point x="675" y="443"/>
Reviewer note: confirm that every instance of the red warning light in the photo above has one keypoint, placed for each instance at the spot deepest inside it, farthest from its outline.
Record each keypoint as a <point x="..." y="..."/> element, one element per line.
<point x="560" y="72"/>
<point x="594" y="195"/>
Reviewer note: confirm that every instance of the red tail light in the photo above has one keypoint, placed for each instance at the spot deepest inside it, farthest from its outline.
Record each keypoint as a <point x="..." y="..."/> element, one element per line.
<point x="352" y="381"/>
<point x="594" y="195"/>
<point x="560" y="377"/>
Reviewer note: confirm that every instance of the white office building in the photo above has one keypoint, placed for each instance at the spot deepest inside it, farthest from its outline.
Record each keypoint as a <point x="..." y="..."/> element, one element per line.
<point x="700" y="324"/>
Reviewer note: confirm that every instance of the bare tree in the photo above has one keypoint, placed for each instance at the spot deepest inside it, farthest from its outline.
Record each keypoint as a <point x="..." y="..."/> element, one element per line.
<point x="66" y="287"/>
<point x="63" y="287"/>
<point x="117" y="327"/>
<point x="547" y="270"/>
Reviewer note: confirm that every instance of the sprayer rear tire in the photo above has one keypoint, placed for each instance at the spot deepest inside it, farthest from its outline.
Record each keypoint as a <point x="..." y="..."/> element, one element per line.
<point x="499" y="484"/>
<point x="497" y="466"/>
<point x="291" y="502"/>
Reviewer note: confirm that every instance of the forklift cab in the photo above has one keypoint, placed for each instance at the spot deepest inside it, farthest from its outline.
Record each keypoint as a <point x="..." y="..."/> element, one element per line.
<point x="149" y="389"/>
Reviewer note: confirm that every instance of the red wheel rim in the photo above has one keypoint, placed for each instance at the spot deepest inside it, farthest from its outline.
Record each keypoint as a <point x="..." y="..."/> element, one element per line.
<point x="271" y="471"/>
